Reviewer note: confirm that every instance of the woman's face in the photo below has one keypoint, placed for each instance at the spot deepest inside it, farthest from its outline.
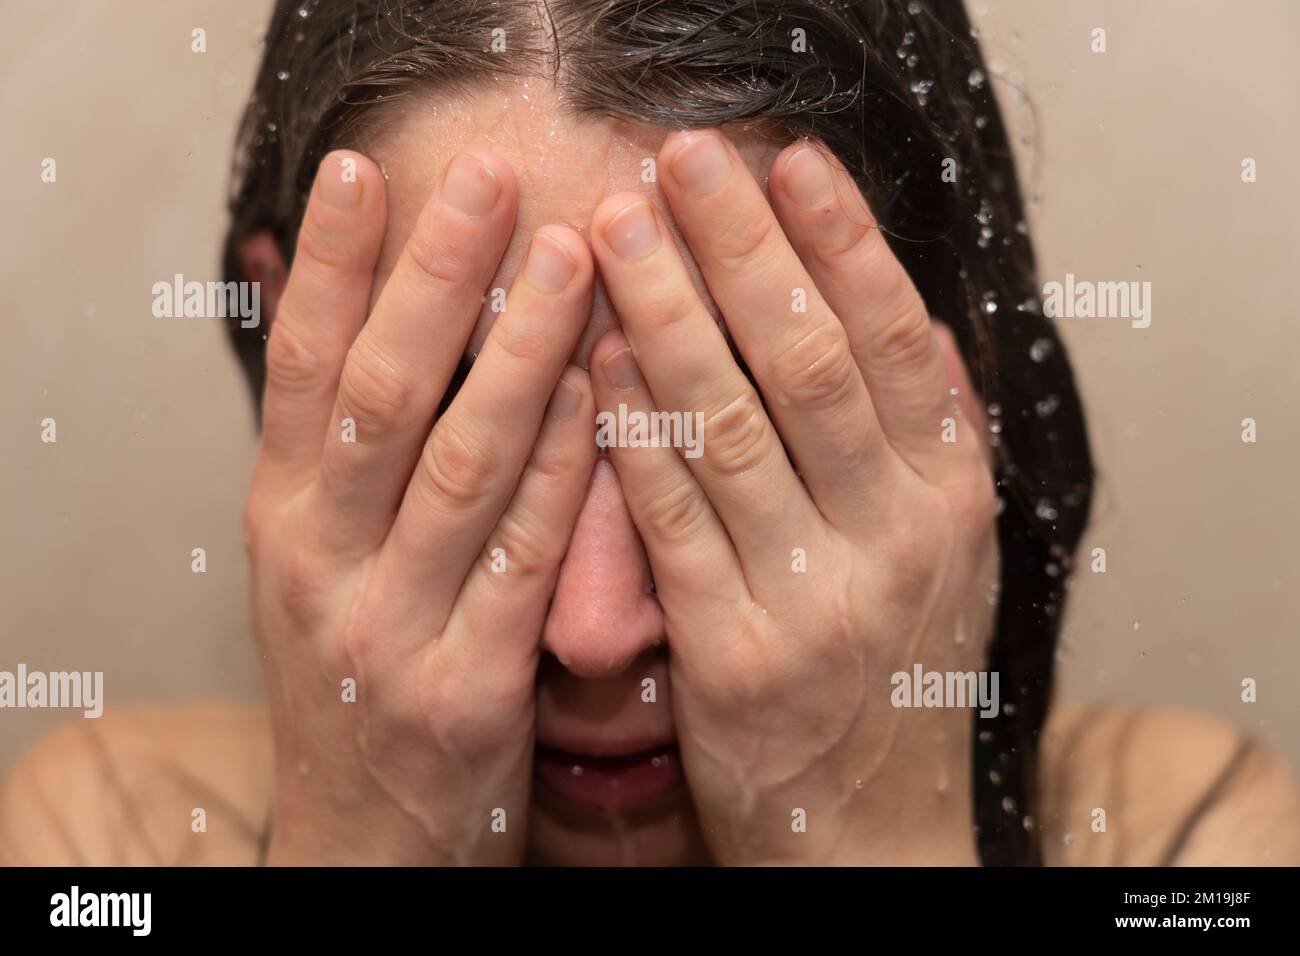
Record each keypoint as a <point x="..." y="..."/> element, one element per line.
<point x="608" y="787"/>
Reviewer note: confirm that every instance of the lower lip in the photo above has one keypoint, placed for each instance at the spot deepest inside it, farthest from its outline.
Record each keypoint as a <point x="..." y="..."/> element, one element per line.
<point x="611" y="784"/>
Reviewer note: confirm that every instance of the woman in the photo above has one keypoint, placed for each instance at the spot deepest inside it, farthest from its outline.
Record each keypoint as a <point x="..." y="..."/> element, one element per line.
<point x="485" y="641"/>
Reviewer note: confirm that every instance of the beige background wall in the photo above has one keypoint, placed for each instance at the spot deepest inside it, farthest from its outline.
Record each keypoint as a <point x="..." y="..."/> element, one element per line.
<point x="1135" y="158"/>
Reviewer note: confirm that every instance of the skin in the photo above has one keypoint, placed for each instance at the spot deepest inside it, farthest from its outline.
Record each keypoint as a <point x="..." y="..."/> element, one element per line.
<point x="372" y="559"/>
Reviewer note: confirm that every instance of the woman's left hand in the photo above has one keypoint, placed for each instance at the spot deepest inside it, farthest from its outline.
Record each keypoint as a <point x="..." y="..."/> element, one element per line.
<point x="789" y="603"/>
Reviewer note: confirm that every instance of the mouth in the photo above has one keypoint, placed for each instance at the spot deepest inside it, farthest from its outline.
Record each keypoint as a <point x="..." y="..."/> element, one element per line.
<point x="610" y="784"/>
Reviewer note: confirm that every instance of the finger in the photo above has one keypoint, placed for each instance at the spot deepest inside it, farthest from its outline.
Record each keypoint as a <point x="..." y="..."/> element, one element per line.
<point x="739" y="461"/>
<point x="400" y="365"/>
<point x="793" y="342"/>
<point x="691" y="556"/>
<point x="889" y="329"/>
<point x="472" y="460"/>
<point x="323" y="307"/>
<point x="502" y="607"/>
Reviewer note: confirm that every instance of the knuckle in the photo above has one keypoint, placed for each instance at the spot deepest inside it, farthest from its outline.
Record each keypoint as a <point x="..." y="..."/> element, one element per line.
<point x="552" y="465"/>
<point x="439" y="260"/>
<point x="301" y="585"/>
<point x="677" y="513"/>
<point x="527" y="549"/>
<point x="975" y="503"/>
<point x="847" y="242"/>
<point x="254" y="518"/>
<point x="904" y="339"/>
<point x="522" y="342"/>
<point x="456" y="466"/>
<point x="293" y="363"/>
<point x="665" y="304"/>
<point x="754" y="680"/>
<point x="914" y="555"/>
<point x="817" y="370"/>
<point x="743" y="246"/>
<point x="359" y="645"/>
<point x="374" y="393"/>
<point x="450" y="706"/>
<point x="326" y="240"/>
<point x="736" y="436"/>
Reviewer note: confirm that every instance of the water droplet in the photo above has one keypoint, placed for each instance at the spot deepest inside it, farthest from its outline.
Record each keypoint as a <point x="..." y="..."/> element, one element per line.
<point x="1008" y="805"/>
<point x="1040" y="349"/>
<point x="576" y="770"/>
<point x="995" y="778"/>
<point x="976" y="79"/>
<point x="282" y="75"/>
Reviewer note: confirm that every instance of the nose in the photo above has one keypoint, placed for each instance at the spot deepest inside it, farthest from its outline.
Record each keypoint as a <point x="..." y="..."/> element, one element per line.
<point x="603" y="614"/>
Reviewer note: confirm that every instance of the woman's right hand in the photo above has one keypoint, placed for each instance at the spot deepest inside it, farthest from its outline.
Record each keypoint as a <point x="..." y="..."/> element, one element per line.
<point x="373" y="531"/>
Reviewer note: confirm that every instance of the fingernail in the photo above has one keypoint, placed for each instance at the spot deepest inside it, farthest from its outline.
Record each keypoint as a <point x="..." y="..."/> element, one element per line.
<point x="702" y="165"/>
<point x="548" y="267"/>
<point x="633" y="233"/>
<point x="565" y="400"/>
<point x="621" y="371"/>
<point x="470" y="187"/>
<point x="808" y="179"/>
<point x="339" y="185"/>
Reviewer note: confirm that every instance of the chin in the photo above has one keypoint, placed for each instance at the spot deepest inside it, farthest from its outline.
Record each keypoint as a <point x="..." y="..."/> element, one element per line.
<point x="562" y="834"/>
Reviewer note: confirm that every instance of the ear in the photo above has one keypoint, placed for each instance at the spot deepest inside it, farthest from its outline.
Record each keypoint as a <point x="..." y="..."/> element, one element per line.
<point x="261" y="262"/>
<point x="968" y="401"/>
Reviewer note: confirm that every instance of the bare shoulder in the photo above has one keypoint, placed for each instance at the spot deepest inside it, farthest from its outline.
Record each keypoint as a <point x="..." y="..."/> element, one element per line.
<point x="124" y="789"/>
<point x="1169" y="788"/>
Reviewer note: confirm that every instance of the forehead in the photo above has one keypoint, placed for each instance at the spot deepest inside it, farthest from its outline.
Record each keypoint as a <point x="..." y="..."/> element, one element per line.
<point x="565" y="164"/>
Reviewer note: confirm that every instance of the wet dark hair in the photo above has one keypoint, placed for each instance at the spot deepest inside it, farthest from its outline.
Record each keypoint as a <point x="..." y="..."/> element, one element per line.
<point x="894" y="88"/>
